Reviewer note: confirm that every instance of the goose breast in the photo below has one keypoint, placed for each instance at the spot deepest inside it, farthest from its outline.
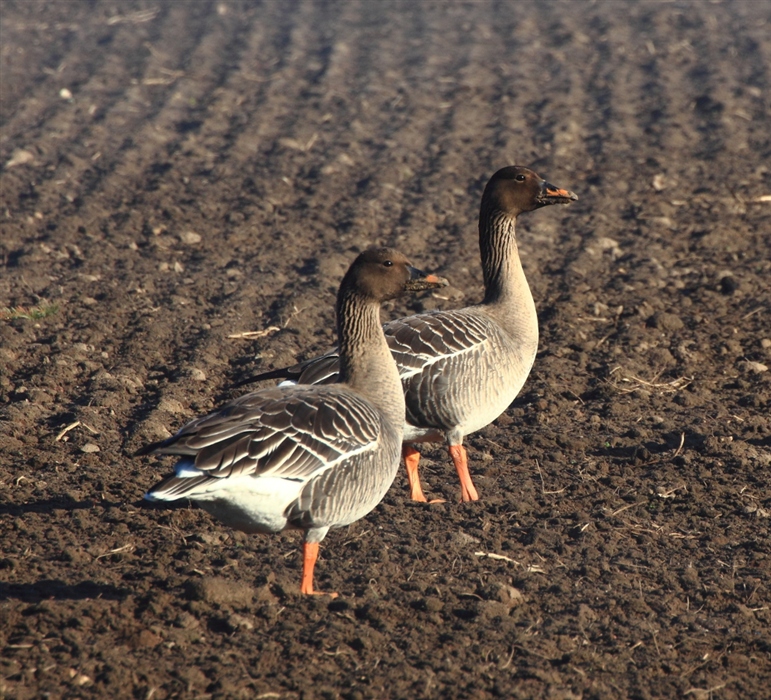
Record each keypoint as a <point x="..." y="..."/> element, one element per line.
<point x="458" y="368"/>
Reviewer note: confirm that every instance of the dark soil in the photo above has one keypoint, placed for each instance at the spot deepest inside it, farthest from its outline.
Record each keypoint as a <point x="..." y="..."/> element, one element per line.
<point x="176" y="173"/>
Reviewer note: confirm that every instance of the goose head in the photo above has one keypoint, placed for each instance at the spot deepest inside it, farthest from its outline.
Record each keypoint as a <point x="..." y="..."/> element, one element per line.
<point x="379" y="274"/>
<point x="516" y="189"/>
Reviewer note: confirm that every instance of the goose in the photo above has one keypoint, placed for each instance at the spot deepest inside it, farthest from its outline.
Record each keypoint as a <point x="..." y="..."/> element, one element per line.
<point x="306" y="457"/>
<point x="460" y="369"/>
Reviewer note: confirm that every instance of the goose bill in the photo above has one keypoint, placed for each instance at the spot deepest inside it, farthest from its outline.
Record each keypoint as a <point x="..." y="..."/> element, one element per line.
<point x="555" y="195"/>
<point x="419" y="281"/>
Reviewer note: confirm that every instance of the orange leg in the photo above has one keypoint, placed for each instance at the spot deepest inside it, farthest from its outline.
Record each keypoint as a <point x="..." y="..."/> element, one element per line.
<point x="310" y="554"/>
<point x="411" y="459"/>
<point x="460" y="460"/>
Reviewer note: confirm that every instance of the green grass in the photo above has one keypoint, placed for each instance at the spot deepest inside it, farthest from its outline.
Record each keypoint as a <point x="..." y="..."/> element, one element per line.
<point x="34" y="313"/>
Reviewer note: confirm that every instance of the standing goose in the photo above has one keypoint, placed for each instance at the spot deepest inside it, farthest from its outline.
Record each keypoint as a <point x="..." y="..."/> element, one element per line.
<point x="307" y="457"/>
<point x="461" y="369"/>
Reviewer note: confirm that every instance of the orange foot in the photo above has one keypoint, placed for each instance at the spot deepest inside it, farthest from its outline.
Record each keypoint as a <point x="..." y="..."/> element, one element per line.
<point x="310" y="555"/>
<point x="460" y="460"/>
<point x="411" y="460"/>
<point x="330" y="594"/>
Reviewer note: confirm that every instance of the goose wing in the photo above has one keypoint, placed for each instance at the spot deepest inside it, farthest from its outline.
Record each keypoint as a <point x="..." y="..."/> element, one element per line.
<point x="416" y="342"/>
<point x="292" y="433"/>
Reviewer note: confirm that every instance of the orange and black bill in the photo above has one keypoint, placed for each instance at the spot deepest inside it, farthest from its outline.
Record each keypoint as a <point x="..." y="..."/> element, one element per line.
<point x="554" y="195"/>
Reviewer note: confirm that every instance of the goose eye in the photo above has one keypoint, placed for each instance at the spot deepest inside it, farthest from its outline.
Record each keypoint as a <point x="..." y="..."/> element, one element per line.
<point x="387" y="263"/>
<point x="520" y="178"/>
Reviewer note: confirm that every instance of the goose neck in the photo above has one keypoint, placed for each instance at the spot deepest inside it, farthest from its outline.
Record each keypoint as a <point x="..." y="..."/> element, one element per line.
<point x="505" y="282"/>
<point x="366" y="364"/>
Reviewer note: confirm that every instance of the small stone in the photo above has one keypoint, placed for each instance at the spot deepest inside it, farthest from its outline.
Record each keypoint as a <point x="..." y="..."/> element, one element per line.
<point x="728" y="284"/>
<point x="197" y="374"/>
<point x="79" y="679"/>
<point x="190" y="237"/>
<point x="154" y="430"/>
<point x="236" y="622"/>
<point x="449" y="294"/>
<point x="171" y="406"/>
<point x="89" y="447"/>
<point x="178" y="266"/>
<point x="144" y="639"/>
<point x="508" y="595"/>
<point x="186" y="621"/>
<point x="754" y="367"/>
<point x="75" y="555"/>
<point x="222" y="591"/>
<point x="19" y="157"/>
<point x="434" y="605"/>
<point x="666" y="321"/>
<point x="662" y="221"/>
<point x="131" y="384"/>
<point x="464" y="539"/>
<point x="65" y="94"/>
<point x="605" y="243"/>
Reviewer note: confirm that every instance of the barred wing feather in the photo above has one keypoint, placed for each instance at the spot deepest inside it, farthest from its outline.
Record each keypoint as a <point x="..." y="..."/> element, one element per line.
<point x="416" y="342"/>
<point x="294" y="433"/>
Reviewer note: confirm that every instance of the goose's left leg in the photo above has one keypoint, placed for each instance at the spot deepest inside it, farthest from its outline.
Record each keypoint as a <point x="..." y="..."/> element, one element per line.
<point x="411" y="461"/>
<point x="310" y="555"/>
<point x="460" y="460"/>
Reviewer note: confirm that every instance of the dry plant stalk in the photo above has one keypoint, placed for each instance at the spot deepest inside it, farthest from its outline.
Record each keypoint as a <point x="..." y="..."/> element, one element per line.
<point x="664" y="387"/>
<point x="251" y="335"/>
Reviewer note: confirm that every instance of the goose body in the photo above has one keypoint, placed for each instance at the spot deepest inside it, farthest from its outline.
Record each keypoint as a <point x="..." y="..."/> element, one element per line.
<point x="460" y="369"/>
<point x="269" y="460"/>
<point x="306" y="457"/>
<point x="471" y="367"/>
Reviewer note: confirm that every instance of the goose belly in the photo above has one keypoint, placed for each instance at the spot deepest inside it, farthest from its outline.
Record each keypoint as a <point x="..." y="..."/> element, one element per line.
<point x="461" y="394"/>
<point x="251" y="504"/>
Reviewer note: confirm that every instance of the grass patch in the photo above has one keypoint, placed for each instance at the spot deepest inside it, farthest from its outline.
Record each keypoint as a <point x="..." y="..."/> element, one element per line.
<point x="33" y="313"/>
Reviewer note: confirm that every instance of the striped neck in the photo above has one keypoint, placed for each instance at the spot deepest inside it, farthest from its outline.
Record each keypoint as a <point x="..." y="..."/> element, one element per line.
<point x="503" y="274"/>
<point x="366" y="364"/>
<point x="507" y="293"/>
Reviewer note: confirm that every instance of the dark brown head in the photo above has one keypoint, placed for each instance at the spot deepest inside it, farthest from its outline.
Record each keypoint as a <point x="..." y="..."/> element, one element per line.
<point x="515" y="189"/>
<point x="379" y="274"/>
